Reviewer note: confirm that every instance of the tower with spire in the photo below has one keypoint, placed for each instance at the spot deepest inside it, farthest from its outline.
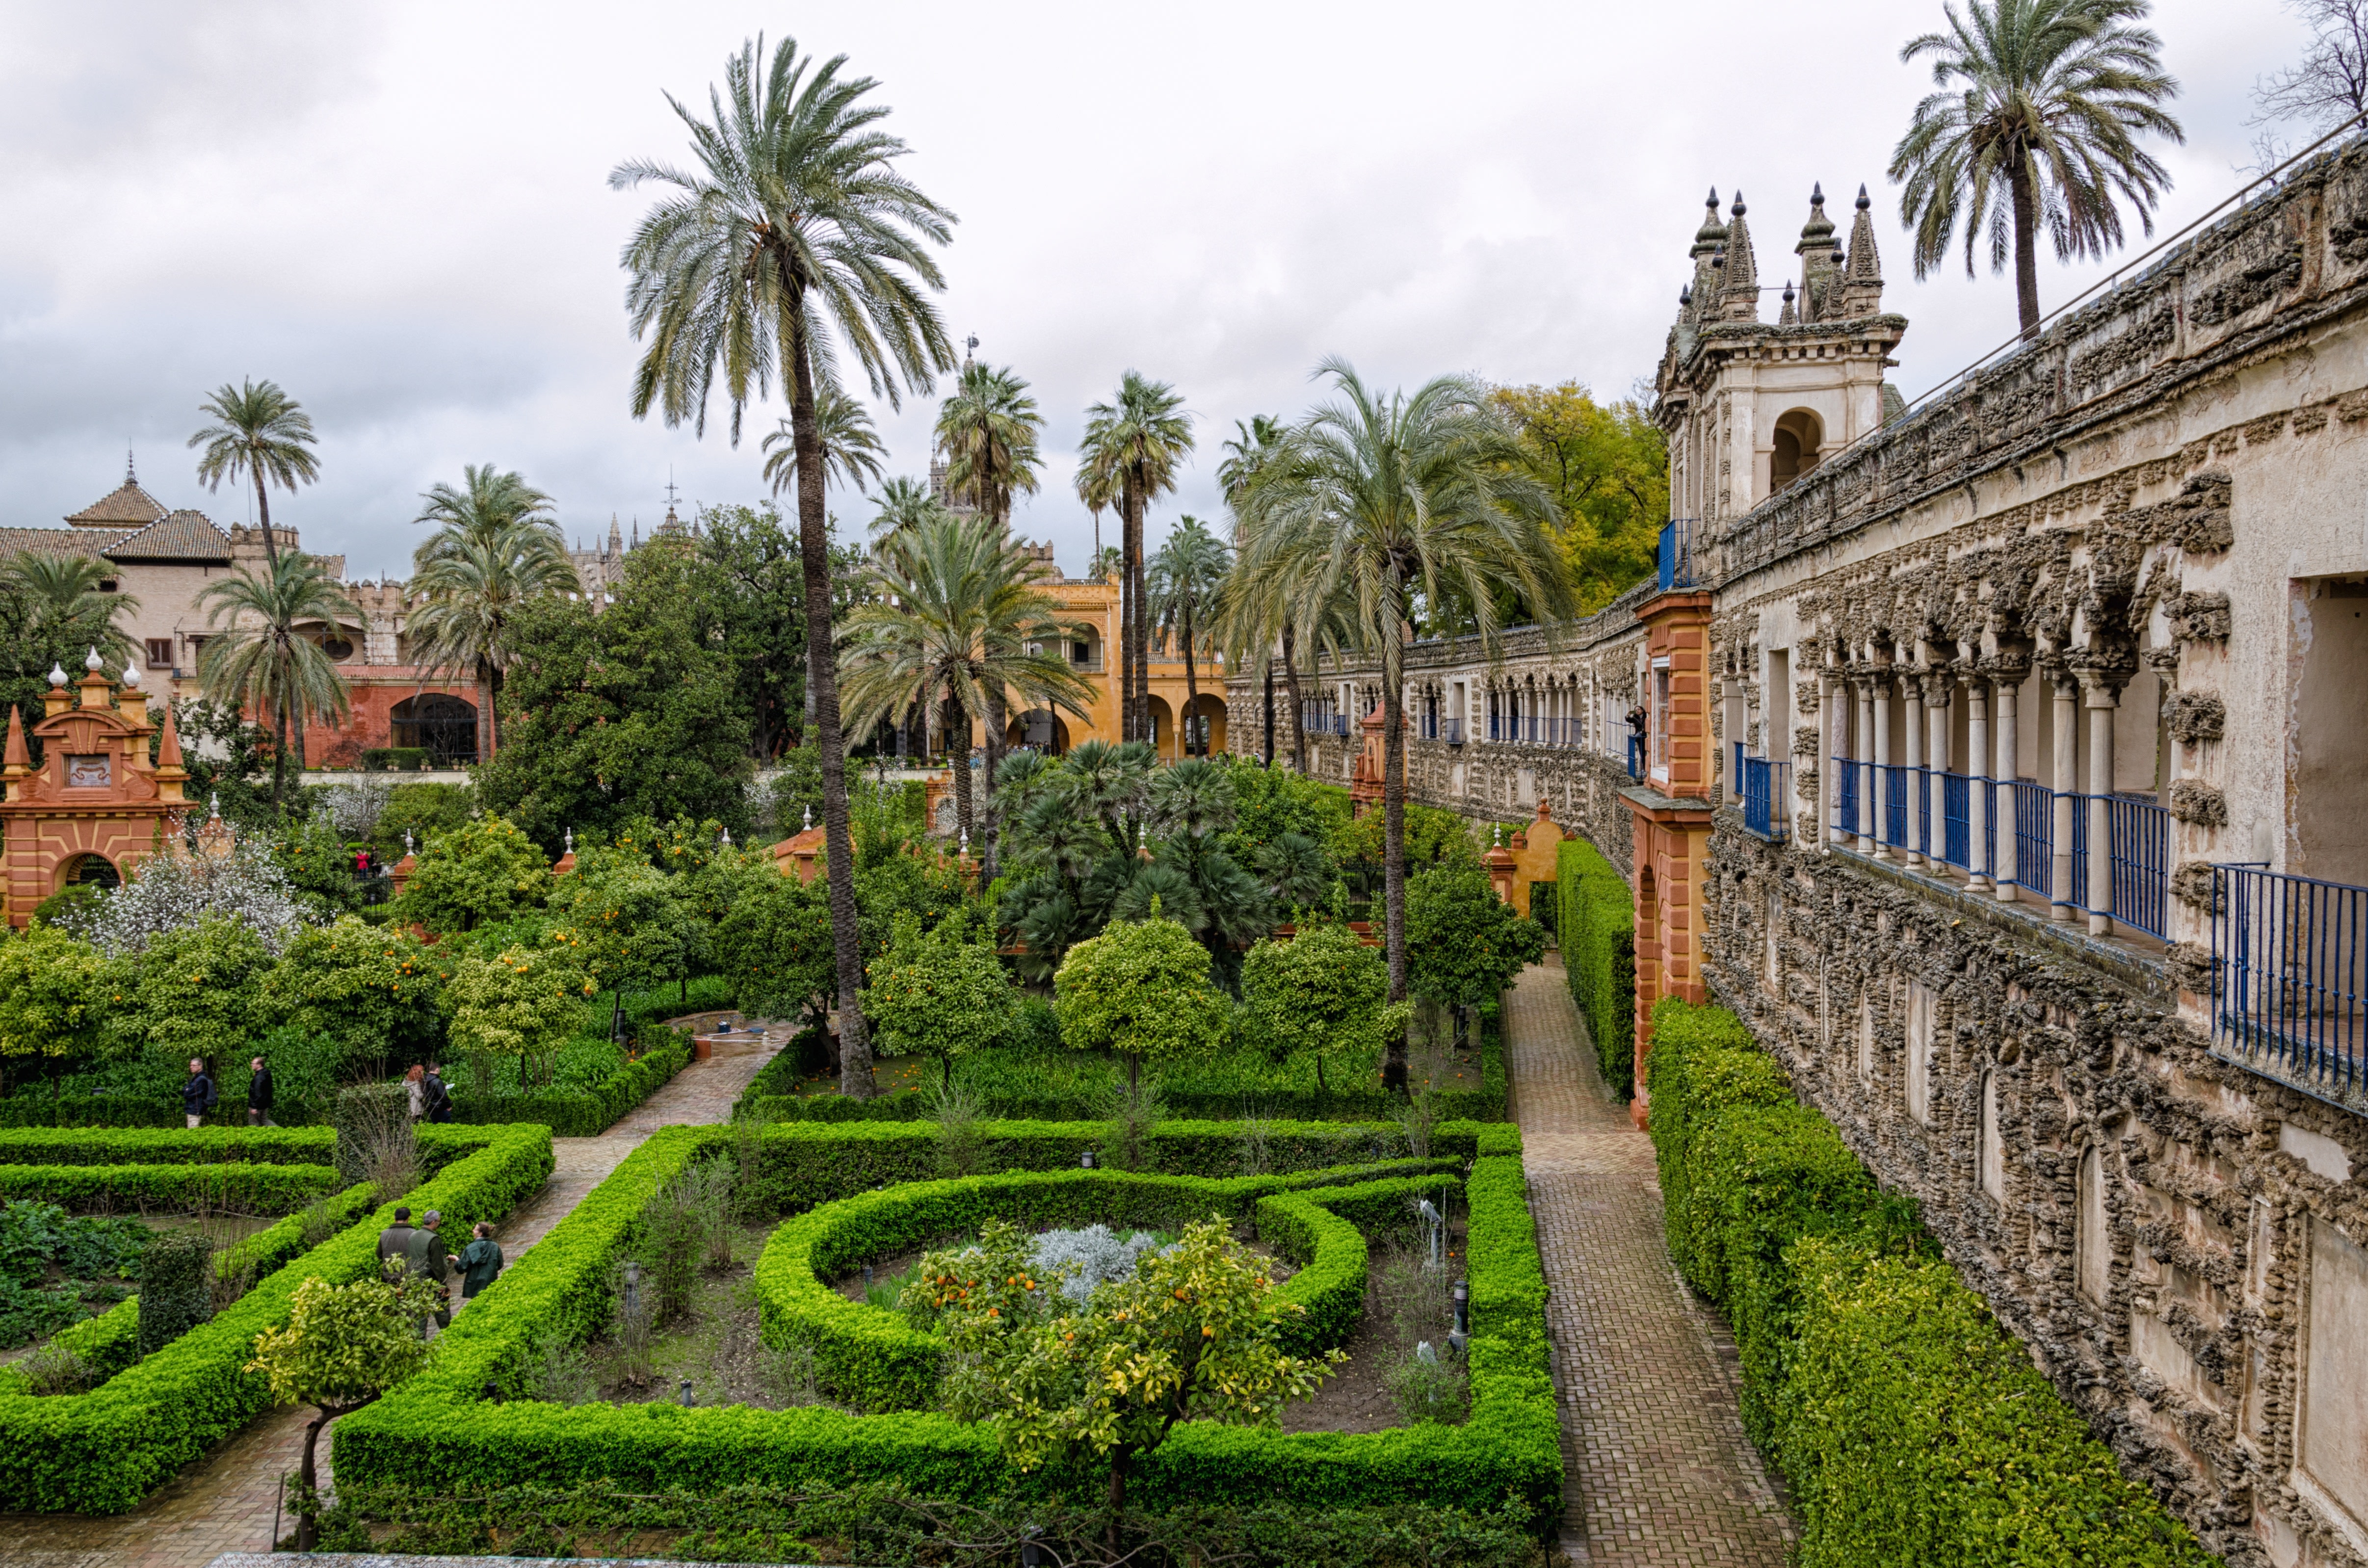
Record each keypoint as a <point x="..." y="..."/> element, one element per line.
<point x="1752" y="405"/>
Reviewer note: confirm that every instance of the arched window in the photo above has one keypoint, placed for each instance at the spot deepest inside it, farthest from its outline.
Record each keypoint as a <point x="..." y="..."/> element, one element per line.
<point x="438" y="723"/>
<point x="90" y="871"/>
<point x="1799" y="434"/>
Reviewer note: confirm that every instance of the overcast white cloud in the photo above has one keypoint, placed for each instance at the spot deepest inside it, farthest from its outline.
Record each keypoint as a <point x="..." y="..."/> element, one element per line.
<point x="402" y="214"/>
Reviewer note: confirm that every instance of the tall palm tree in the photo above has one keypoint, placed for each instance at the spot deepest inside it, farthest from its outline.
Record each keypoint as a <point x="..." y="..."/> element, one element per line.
<point x="954" y="615"/>
<point x="1378" y="500"/>
<point x="2045" y="98"/>
<point x="260" y="664"/>
<point x="987" y="431"/>
<point x="261" y="434"/>
<point x="794" y="230"/>
<point x="1185" y="575"/>
<point x="63" y="609"/>
<point x="1246" y="451"/>
<point x="1133" y="446"/>
<point x="850" y="443"/>
<point x="497" y="546"/>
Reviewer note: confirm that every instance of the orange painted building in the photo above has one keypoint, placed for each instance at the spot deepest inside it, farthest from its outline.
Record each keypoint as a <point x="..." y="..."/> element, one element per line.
<point x="95" y="806"/>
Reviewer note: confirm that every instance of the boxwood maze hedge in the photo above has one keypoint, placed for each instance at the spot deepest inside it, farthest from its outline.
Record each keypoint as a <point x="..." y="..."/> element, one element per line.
<point x="1596" y="927"/>
<point x="255" y="1189"/>
<point x="439" y="1434"/>
<point x="1910" y="1426"/>
<point x="102" y="1451"/>
<point x="167" y="1146"/>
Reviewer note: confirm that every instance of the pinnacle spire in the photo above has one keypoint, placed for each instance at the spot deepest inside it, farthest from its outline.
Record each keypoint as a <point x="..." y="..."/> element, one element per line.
<point x="1741" y="296"/>
<point x="19" y="759"/>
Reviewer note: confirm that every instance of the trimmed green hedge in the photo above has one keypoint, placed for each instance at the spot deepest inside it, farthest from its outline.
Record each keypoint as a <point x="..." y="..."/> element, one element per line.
<point x="258" y="1189"/>
<point x="437" y="1432"/>
<point x="101" y="1453"/>
<point x="577" y="1112"/>
<point x="167" y="1146"/>
<point x="1910" y="1426"/>
<point x="1595" y="925"/>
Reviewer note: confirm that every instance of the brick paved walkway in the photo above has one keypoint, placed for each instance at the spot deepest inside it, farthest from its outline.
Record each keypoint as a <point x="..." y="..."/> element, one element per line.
<point x="223" y="1503"/>
<point x="1659" y="1471"/>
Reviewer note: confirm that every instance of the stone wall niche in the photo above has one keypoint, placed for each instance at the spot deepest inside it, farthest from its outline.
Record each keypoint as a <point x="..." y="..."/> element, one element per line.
<point x="1990" y="1153"/>
<point x="2331" y="1448"/>
<point x="1921" y="1005"/>
<point x="2093" y="1229"/>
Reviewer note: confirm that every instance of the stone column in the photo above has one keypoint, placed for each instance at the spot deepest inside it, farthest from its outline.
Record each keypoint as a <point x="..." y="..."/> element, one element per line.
<point x="1877" y="780"/>
<point x="1937" y="689"/>
<point x="2066" y="787"/>
<point x="2100" y="698"/>
<point x="1977" y="767"/>
<point x="1864" y="752"/>
<point x="1833" y="723"/>
<point x="2008" y="846"/>
<point x="1911" y="691"/>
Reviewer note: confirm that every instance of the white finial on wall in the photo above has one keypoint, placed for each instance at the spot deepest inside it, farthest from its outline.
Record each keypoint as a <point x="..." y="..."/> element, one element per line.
<point x="92" y="662"/>
<point x="809" y="819"/>
<point x="57" y="674"/>
<point x="131" y="675"/>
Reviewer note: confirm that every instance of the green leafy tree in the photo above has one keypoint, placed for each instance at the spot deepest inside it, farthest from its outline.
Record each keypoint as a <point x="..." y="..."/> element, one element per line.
<point x="519" y="1002"/>
<point x="1607" y="465"/>
<point x="195" y="989"/>
<point x="373" y="989"/>
<point x="343" y="1347"/>
<point x="425" y="812"/>
<point x="943" y="993"/>
<point x="1322" y="994"/>
<point x="775" y="945"/>
<point x="1133" y="445"/>
<point x="54" y="995"/>
<point x="1140" y="989"/>
<point x="1432" y="837"/>
<point x="317" y="863"/>
<point x="257" y="662"/>
<point x="1469" y="944"/>
<point x="1377" y="501"/>
<point x="1194" y="1335"/>
<point x="759" y="605"/>
<point x="620" y="919"/>
<point x="2035" y="126"/>
<point x="795" y="229"/>
<point x="486" y="870"/>
<point x="633" y="712"/>
<point x="497" y="546"/>
<point x="260" y="434"/>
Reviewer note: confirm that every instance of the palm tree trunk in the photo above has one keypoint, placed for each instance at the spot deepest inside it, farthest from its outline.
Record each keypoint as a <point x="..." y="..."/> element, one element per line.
<point x="1266" y="753"/>
<point x="1393" y="1067"/>
<point x="487" y="697"/>
<point x="1291" y="688"/>
<point x="1143" y="726"/>
<point x="1191" y="685"/>
<point x="855" y="1080"/>
<point x="987" y="826"/>
<point x="279" y="760"/>
<point x="263" y="515"/>
<point x="958" y="753"/>
<point x="1128" y="608"/>
<point x="2026" y="245"/>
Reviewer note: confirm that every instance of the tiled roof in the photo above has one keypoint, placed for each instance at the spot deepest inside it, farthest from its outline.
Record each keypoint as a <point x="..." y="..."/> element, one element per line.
<point x="129" y="506"/>
<point x="54" y="542"/>
<point x="177" y="536"/>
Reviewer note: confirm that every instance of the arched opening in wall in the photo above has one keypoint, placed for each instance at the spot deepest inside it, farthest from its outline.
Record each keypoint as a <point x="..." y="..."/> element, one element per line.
<point x="1204" y="725"/>
<point x="1162" y="727"/>
<point x="442" y="725"/>
<point x="1042" y="729"/>
<point x="89" y="871"/>
<point x="1799" y="434"/>
<point x="1865" y="1036"/>
<point x="1989" y="1152"/>
<point x="1921" y="1007"/>
<point x="2092" y="1241"/>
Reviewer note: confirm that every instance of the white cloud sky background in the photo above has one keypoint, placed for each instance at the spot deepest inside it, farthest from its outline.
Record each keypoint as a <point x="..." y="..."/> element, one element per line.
<point x="401" y="215"/>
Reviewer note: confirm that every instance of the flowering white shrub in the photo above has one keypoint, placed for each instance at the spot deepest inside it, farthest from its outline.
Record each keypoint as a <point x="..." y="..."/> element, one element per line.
<point x="1094" y="1256"/>
<point x="355" y="804"/>
<point x="175" y="888"/>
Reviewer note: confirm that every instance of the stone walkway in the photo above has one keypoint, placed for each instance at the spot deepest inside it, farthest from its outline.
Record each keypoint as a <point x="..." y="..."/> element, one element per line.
<point x="1658" y="1469"/>
<point x="224" y="1502"/>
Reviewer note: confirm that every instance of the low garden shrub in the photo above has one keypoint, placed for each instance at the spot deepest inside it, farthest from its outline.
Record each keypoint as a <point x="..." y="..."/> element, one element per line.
<point x="102" y="1451"/>
<point x="587" y="1105"/>
<point x="1596" y="927"/>
<point x="1910" y="1426"/>
<point x="167" y="1146"/>
<point x="436" y="1434"/>
<point x="237" y="1188"/>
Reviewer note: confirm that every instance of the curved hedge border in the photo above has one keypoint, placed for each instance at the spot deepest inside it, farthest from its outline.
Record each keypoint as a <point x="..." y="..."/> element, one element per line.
<point x="871" y="1358"/>
<point x="101" y="1453"/>
<point x="1910" y="1426"/>
<point x="1596" y="927"/>
<point x="258" y="1189"/>
<point x="437" y="1434"/>
<point x="167" y="1146"/>
<point x="577" y="1112"/>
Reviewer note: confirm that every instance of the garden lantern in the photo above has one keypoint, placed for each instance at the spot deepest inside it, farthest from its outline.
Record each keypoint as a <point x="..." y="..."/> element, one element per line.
<point x="1459" y="1338"/>
<point x="1087" y="1161"/>
<point x="686" y="1399"/>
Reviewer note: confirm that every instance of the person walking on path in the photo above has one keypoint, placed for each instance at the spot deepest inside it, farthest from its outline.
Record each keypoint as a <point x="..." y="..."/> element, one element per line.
<point x="258" y="1093"/>
<point x="479" y="1262"/>
<point x="396" y="1241"/>
<point x="428" y="1255"/>
<point x="434" y="1096"/>
<point x="414" y="1085"/>
<point x="198" y="1094"/>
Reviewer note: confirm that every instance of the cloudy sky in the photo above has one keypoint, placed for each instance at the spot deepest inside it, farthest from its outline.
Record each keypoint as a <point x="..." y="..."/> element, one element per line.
<point x="401" y="213"/>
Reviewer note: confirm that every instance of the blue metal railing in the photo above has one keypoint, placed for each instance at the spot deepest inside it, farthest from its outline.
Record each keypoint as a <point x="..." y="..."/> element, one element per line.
<point x="2140" y="847"/>
<point x="1676" y="554"/>
<point x="2034" y="836"/>
<point x="1957" y="821"/>
<point x="2079" y="849"/>
<point x="1846" y="805"/>
<point x="1636" y="756"/>
<point x="1761" y="785"/>
<point x="2289" y="976"/>
<point x="1893" y="826"/>
<point x="1451" y="730"/>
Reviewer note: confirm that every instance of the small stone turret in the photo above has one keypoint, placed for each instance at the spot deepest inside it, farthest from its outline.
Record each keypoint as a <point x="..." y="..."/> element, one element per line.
<point x="1708" y="240"/>
<point x="1820" y="267"/>
<point x="1738" y="292"/>
<point x="1862" y="277"/>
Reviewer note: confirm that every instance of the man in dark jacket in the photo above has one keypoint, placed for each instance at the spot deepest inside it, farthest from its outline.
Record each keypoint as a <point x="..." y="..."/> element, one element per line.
<point x="435" y="1099"/>
<point x="258" y="1093"/>
<point x="394" y="1242"/>
<point x="197" y="1094"/>
<point x="429" y="1255"/>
